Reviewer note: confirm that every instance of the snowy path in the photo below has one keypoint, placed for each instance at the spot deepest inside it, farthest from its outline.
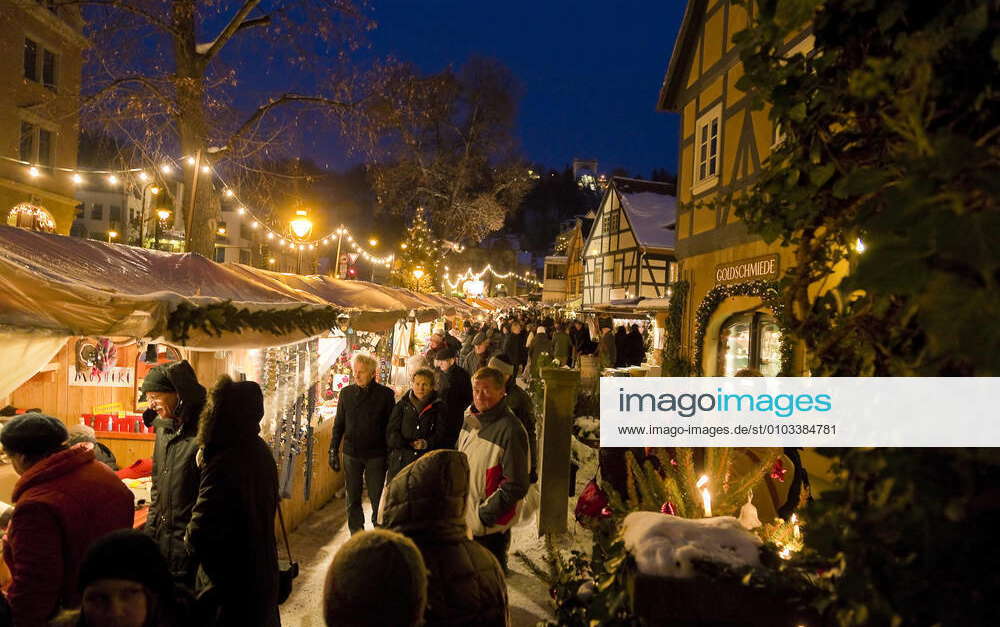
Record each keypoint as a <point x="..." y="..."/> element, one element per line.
<point x="316" y="541"/>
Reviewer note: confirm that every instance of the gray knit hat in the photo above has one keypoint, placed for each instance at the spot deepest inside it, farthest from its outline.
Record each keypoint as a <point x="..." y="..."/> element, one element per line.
<point x="33" y="434"/>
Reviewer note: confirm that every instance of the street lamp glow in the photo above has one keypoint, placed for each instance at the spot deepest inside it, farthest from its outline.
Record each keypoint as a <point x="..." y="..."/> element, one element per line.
<point x="154" y="190"/>
<point x="418" y="273"/>
<point x="112" y="180"/>
<point x="859" y="246"/>
<point x="372" y="242"/>
<point x="221" y="230"/>
<point x="270" y="261"/>
<point x="112" y="235"/>
<point x="163" y="214"/>
<point x="77" y="179"/>
<point x="301" y="225"/>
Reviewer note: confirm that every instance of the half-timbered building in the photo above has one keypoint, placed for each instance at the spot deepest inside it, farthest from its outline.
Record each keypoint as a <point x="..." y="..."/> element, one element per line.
<point x="629" y="254"/>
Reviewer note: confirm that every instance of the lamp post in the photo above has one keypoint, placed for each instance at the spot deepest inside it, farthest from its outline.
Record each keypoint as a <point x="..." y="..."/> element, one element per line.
<point x="371" y="262"/>
<point x="336" y="263"/>
<point x="154" y="190"/>
<point x="301" y="226"/>
<point x="112" y="235"/>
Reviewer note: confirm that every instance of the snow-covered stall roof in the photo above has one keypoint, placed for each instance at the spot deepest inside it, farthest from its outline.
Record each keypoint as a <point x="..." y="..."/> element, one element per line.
<point x="63" y="286"/>
<point x="651" y="208"/>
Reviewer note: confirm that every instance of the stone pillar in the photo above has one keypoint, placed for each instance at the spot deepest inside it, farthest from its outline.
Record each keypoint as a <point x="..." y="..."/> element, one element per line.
<point x="561" y="385"/>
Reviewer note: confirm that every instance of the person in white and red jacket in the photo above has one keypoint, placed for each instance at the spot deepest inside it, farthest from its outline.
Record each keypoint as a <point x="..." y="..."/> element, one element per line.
<point x="496" y="444"/>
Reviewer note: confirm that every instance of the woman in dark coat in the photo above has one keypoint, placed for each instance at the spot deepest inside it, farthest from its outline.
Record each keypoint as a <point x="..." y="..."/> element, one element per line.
<point x="418" y="423"/>
<point x="635" y="347"/>
<point x="426" y="502"/>
<point x="621" y="347"/>
<point x="231" y="533"/>
<point x="514" y="346"/>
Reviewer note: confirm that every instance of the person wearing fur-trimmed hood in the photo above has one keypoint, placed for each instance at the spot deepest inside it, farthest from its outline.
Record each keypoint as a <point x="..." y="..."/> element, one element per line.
<point x="231" y="533"/>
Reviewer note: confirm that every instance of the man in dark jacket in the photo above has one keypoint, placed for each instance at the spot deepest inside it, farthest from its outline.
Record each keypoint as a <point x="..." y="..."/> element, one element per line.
<point x="456" y="392"/>
<point x="607" y="353"/>
<point x="362" y="420"/>
<point x="231" y="532"/>
<point x="176" y="400"/>
<point x="480" y="354"/>
<point x="426" y="502"/>
<point x="64" y="500"/>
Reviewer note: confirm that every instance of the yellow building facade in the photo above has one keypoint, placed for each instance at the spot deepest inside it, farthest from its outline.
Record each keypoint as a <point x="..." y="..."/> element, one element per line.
<point x="727" y="324"/>
<point x="41" y="46"/>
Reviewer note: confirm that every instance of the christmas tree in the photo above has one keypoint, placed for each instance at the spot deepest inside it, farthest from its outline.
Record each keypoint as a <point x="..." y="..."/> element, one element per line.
<point x="416" y="265"/>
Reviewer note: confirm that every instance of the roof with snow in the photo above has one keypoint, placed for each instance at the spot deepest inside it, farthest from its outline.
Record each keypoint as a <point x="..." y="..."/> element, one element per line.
<point x="651" y="208"/>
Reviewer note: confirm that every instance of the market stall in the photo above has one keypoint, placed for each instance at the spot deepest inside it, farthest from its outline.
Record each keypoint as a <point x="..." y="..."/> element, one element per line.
<point x="81" y="321"/>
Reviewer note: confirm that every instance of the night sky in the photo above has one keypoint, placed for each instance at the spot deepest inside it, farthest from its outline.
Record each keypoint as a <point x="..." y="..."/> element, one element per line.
<point x="590" y="70"/>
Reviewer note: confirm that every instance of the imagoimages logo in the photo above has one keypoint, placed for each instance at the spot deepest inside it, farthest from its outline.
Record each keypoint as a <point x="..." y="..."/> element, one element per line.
<point x="687" y="405"/>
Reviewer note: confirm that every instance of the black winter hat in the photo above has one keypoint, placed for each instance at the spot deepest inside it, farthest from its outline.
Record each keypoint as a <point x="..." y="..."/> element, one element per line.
<point x="33" y="434"/>
<point x="126" y="554"/>
<point x="445" y="353"/>
<point x="157" y="381"/>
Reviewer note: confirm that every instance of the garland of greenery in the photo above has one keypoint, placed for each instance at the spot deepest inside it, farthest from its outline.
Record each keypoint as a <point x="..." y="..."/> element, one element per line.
<point x="218" y="318"/>
<point x="677" y="365"/>
<point x="768" y="291"/>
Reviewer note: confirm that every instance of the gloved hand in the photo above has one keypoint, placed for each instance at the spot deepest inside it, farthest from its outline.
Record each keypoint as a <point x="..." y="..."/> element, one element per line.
<point x="533" y="477"/>
<point x="334" y="460"/>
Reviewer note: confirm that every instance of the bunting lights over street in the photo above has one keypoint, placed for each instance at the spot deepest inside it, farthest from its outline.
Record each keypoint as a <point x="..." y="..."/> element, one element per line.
<point x="469" y="275"/>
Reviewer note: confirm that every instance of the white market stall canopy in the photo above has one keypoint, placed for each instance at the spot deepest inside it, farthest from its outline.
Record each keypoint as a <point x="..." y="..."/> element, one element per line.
<point x="52" y="285"/>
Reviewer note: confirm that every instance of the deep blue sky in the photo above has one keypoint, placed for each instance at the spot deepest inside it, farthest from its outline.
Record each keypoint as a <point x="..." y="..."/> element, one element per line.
<point x="590" y="70"/>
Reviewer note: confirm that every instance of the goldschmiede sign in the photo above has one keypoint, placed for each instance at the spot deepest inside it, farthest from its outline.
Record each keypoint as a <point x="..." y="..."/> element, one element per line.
<point x="764" y="267"/>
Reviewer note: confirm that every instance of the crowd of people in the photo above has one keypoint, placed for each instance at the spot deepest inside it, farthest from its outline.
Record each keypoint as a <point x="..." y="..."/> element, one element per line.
<point x="446" y="466"/>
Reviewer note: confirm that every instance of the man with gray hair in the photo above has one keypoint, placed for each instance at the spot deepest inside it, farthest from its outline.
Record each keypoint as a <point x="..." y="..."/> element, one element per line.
<point x="362" y="419"/>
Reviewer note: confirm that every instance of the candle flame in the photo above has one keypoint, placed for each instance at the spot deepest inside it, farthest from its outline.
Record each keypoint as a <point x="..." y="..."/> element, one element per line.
<point x="702" y="481"/>
<point x="785" y="554"/>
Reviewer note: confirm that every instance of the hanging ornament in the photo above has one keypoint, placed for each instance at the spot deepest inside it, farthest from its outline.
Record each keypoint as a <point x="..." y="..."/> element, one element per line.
<point x="778" y="470"/>
<point x="668" y="508"/>
<point x="748" y="513"/>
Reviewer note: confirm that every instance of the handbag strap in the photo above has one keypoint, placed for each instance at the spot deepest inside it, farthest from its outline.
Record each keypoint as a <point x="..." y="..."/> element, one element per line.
<point x="284" y="533"/>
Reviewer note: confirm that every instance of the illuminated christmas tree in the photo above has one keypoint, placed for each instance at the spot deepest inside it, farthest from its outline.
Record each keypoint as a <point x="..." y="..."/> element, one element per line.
<point x="418" y="259"/>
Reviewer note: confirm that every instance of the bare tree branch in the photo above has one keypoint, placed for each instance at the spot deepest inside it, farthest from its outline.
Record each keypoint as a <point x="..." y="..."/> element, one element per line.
<point x="227" y="33"/>
<point x="284" y="99"/>
<point x="142" y="80"/>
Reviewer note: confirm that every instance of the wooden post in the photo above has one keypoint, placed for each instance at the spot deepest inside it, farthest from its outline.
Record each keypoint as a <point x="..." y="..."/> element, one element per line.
<point x="561" y="385"/>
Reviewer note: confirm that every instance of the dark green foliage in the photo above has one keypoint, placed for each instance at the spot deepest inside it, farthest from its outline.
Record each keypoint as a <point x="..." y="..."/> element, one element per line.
<point x="890" y="135"/>
<point x="216" y="319"/>
<point x="675" y="363"/>
<point x="912" y="532"/>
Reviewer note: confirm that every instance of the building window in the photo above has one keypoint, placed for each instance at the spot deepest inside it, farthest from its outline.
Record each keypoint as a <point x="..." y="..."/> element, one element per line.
<point x="115" y="213"/>
<point x="31" y="60"/>
<point x="220" y="254"/>
<point x="36" y="145"/>
<point x="27" y="151"/>
<point x="245" y="256"/>
<point x="245" y="232"/>
<point x="49" y="69"/>
<point x="612" y="220"/>
<point x="555" y="271"/>
<point x="619" y="276"/>
<point x="749" y="341"/>
<point x="97" y="212"/>
<point x="40" y="64"/>
<point x="707" y="138"/>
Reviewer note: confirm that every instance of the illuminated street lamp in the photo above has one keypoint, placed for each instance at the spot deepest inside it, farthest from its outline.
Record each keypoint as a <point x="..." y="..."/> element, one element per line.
<point x="371" y="262"/>
<point x="112" y="235"/>
<point x="418" y="273"/>
<point x="301" y="227"/>
<point x="163" y="215"/>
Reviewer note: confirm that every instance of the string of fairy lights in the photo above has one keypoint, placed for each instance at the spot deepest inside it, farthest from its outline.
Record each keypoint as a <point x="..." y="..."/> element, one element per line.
<point x="469" y="275"/>
<point x="167" y="167"/>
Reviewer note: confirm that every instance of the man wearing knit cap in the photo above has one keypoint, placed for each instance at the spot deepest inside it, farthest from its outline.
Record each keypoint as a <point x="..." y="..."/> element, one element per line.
<point x="376" y="578"/>
<point x="176" y="400"/>
<point x="64" y="501"/>
<point x="455" y="389"/>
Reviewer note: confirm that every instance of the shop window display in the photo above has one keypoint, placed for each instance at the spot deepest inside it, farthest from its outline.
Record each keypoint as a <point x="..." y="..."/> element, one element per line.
<point x="752" y="341"/>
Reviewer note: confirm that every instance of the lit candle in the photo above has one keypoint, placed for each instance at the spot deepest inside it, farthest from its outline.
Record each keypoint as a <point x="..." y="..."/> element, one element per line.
<point x="795" y="526"/>
<point x="706" y="498"/>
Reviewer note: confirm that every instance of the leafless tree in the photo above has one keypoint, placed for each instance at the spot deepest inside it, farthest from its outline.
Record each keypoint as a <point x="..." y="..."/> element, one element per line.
<point x="446" y="142"/>
<point x="230" y="83"/>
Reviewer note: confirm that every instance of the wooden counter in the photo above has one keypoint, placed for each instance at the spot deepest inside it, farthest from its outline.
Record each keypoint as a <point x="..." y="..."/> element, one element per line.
<point x="127" y="447"/>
